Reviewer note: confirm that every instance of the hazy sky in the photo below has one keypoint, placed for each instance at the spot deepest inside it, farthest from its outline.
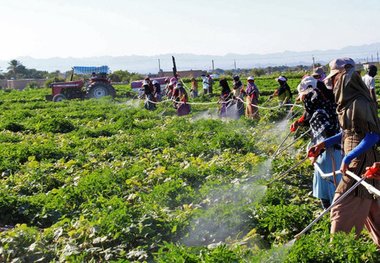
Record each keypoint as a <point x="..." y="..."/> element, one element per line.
<point x="83" y="28"/>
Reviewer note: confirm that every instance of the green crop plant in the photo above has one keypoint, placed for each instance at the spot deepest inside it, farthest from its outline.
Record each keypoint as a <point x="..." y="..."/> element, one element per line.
<point x="108" y="181"/>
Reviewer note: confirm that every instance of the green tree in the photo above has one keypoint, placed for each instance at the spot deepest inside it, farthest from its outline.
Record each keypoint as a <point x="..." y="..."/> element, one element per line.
<point x="2" y="74"/>
<point x="124" y="76"/>
<point x="257" y="72"/>
<point x="16" y="69"/>
<point x="12" y="68"/>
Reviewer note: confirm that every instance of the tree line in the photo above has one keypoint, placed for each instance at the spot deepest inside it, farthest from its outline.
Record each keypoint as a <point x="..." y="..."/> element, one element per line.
<point x="16" y="70"/>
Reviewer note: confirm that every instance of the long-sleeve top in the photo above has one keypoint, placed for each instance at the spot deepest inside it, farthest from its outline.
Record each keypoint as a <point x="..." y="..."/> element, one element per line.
<point x="369" y="140"/>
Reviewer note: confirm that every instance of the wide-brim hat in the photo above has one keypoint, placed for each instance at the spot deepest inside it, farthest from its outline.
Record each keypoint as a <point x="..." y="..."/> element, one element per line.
<point x="306" y="85"/>
<point x="318" y="71"/>
<point x="338" y="65"/>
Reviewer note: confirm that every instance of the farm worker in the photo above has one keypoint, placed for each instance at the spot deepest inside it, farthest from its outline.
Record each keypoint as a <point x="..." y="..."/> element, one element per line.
<point x="238" y="92"/>
<point x="252" y="99"/>
<point x="182" y="94"/>
<point x="166" y="89"/>
<point x="157" y="90"/>
<point x="149" y="97"/>
<point x="225" y="97"/>
<point x="320" y="75"/>
<point x="238" y="87"/>
<point x="183" y="108"/>
<point x="205" y="84"/>
<point x="283" y="92"/>
<point x="210" y="83"/>
<point x="93" y="76"/>
<point x="148" y="81"/>
<point x="358" y="119"/>
<point x="320" y="114"/>
<point x="226" y="91"/>
<point x="369" y="80"/>
<point x="171" y="87"/>
<point x="194" y="87"/>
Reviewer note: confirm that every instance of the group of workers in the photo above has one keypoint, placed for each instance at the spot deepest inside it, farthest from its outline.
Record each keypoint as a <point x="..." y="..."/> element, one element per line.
<point x="174" y="90"/>
<point x="232" y="101"/>
<point x="244" y="100"/>
<point x="342" y="112"/>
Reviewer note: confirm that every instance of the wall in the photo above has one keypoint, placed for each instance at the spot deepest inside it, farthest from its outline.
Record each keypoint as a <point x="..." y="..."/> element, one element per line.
<point x="3" y="83"/>
<point x="20" y="84"/>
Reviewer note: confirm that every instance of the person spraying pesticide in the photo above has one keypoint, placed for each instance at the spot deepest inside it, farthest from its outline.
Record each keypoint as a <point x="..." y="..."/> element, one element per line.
<point x="320" y="114"/>
<point x="150" y="100"/>
<point x="181" y="99"/>
<point x="252" y="99"/>
<point x="360" y="133"/>
<point x="225" y="98"/>
<point x="238" y="92"/>
<point x="283" y="92"/>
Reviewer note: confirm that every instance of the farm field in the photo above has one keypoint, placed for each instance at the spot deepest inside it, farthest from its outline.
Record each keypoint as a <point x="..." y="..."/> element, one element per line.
<point x="108" y="181"/>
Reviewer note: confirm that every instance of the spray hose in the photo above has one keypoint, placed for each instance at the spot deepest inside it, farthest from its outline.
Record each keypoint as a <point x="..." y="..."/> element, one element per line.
<point x="212" y="103"/>
<point x="270" y="108"/>
<point x="371" y="173"/>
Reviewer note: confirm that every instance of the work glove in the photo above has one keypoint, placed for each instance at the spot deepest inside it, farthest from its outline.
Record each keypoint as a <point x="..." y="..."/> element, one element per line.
<point x="294" y="126"/>
<point x="315" y="151"/>
<point x="373" y="172"/>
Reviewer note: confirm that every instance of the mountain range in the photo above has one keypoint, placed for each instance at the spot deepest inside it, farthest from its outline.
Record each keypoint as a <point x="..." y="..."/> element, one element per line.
<point x="150" y="64"/>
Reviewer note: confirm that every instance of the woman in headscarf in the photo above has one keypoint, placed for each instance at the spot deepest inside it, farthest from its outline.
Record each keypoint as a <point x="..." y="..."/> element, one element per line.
<point x="283" y="92"/>
<point x="157" y="90"/>
<point x="194" y="87"/>
<point x="238" y="92"/>
<point x="170" y="85"/>
<point x="320" y="75"/>
<point x="150" y="100"/>
<point x="358" y="119"/>
<point x="320" y="114"/>
<point x="252" y="99"/>
<point x="181" y="98"/>
<point x="225" y="97"/>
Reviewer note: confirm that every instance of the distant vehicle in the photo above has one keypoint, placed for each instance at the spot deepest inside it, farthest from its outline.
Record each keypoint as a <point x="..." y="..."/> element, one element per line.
<point x="97" y="86"/>
<point x="137" y="85"/>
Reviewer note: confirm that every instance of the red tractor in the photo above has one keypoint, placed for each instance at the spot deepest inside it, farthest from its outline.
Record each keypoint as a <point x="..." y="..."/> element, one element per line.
<point x="96" y="87"/>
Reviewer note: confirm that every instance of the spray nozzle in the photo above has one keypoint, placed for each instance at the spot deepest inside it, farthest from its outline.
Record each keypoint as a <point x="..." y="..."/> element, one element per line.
<point x="312" y="153"/>
<point x="373" y="172"/>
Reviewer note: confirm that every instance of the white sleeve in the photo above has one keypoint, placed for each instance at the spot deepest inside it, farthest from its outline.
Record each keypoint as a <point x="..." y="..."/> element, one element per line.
<point x="372" y="85"/>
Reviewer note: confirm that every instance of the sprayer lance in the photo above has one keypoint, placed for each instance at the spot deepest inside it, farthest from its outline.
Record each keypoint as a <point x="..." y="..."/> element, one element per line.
<point x="371" y="173"/>
<point x="280" y="176"/>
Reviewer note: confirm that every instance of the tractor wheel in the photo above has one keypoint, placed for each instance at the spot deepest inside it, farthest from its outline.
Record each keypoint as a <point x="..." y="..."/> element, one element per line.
<point x="59" y="97"/>
<point x="100" y="90"/>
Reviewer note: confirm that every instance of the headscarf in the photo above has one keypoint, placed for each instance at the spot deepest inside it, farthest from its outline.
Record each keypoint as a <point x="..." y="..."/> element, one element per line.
<point x="356" y="110"/>
<point x="225" y="87"/>
<point x="252" y="89"/>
